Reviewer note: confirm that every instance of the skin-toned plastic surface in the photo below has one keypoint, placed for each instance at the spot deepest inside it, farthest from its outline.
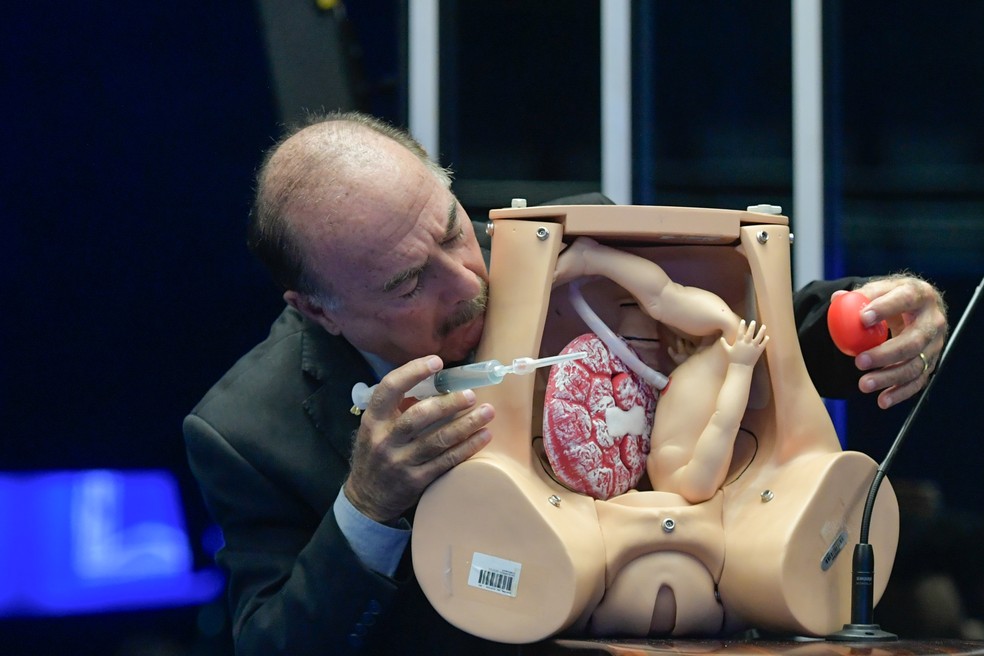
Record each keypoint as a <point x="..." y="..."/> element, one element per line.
<point x="502" y="550"/>
<point x="756" y="647"/>
<point x="698" y="418"/>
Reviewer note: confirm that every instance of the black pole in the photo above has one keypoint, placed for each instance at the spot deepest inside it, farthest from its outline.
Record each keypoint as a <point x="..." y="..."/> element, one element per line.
<point x="862" y="627"/>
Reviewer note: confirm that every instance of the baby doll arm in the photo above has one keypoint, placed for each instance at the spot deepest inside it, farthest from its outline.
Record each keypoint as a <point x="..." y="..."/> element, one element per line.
<point x="704" y="472"/>
<point x="692" y="310"/>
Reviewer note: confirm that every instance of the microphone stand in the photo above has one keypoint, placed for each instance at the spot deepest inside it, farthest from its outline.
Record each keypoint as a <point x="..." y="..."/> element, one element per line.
<point x="862" y="627"/>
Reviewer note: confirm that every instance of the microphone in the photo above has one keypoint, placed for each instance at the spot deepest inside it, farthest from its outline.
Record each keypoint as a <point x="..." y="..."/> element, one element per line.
<point x="862" y="627"/>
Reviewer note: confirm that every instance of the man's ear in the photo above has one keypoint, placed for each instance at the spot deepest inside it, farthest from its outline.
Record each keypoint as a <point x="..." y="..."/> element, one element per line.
<point x="312" y="310"/>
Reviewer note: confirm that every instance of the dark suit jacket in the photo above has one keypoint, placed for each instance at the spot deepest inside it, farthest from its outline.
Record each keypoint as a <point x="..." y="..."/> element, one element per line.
<point x="270" y="446"/>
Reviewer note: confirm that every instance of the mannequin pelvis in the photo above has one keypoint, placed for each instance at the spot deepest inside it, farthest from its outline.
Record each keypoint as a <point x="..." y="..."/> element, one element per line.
<point x="506" y="549"/>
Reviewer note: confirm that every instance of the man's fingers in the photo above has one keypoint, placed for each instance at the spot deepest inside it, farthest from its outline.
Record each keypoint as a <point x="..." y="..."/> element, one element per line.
<point x="892" y="297"/>
<point x="461" y="451"/>
<point x="897" y="376"/>
<point x="424" y="416"/>
<point x="895" y="395"/>
<point x="450" y="435"/>
<point x="906" y="345"/>
<point x="392" y="389"/>
<point x="394" y="459"/>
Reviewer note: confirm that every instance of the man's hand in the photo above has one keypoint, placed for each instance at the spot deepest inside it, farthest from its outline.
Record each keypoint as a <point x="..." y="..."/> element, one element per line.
<point x="916" y="316"/>
<point x="398" y="453"/>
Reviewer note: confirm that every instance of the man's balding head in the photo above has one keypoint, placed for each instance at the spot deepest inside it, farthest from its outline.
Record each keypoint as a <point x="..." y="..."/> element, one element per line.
<point x="308" y="175"/>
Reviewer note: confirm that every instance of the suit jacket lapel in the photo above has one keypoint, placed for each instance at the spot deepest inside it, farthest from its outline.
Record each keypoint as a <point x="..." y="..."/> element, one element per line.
<point x="337" y="365"/>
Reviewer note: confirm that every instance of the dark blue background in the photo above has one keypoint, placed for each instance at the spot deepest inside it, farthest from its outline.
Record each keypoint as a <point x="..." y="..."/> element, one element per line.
<point x="130" y="132"/>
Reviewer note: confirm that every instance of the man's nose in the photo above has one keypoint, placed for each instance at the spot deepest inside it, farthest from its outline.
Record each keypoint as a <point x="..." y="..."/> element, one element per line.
<point x="461" y="283"/>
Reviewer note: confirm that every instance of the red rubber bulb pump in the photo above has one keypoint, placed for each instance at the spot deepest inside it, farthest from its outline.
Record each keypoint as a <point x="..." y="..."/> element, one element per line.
<point x="850" y="335"/>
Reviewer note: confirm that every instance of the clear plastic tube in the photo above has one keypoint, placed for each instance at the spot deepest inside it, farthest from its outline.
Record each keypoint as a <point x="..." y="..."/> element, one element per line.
<point x="456" y="379"/>
<point x="611" y="340"/>
<point x="468" y="376"/>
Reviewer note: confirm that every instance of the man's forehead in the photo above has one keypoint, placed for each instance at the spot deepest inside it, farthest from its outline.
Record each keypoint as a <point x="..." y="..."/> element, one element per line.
<point x="380" y="260"/>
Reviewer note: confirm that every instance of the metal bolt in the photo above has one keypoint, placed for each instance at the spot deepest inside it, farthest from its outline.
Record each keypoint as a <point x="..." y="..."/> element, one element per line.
<point x="554" y="500"/>
<point x="668" y="525"/>
<point x="542" y="233"/>
<point x="489" y="228"/>
<point x="791" y="237"/>
<point x="762" y="237"/>
<point x="767" y="496"/>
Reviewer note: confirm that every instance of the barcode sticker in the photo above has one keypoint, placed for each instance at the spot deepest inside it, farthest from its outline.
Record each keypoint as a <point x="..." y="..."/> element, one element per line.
<point x="494" y="574"/>
<point x="834" y="550"/>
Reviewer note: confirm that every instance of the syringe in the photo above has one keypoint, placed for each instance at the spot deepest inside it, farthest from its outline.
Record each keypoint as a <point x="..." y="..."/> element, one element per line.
<point x="468" y="376"/>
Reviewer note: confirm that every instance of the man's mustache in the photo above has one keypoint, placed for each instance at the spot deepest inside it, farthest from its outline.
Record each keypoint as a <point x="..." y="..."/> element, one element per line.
<point x="467" y="311"/>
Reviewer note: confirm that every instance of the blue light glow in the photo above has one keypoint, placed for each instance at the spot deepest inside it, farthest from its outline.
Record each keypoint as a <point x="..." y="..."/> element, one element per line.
<point x="97" y="540"/>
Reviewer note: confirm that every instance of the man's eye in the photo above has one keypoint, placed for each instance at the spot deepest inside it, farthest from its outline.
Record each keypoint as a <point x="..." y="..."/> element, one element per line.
<point x="413" y="292"/>
<point x="455" y="238"/>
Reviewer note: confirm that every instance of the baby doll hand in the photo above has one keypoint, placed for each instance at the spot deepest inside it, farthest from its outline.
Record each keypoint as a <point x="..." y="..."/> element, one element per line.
<point x="573" y="261"/>
<point x="682" y="350"/>
<point x="748" y="346"/>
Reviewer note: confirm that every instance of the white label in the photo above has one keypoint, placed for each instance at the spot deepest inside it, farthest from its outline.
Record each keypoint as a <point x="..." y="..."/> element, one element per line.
<point x="834" y="550"/>
<point x="494" y="574"/>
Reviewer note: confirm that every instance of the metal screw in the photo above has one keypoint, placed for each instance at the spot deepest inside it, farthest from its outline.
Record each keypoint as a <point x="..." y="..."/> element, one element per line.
<point x="767" y="496"/>
<point x="489" y="228"/>
<point x="668" y="525"/>
<point x="762" y="237"/>
<point x="791" y="238"/>
<point x="542" y="233"/>
<point x="554" y="500"/>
